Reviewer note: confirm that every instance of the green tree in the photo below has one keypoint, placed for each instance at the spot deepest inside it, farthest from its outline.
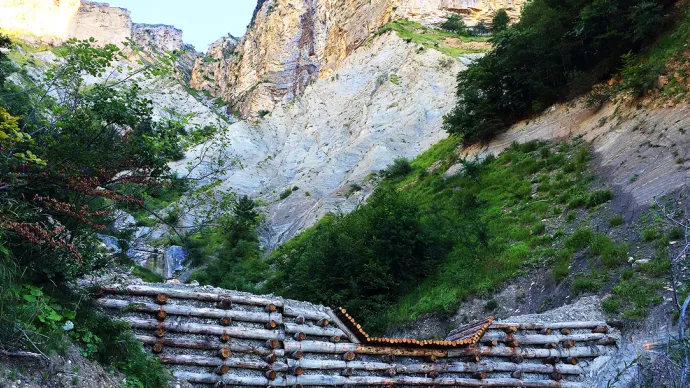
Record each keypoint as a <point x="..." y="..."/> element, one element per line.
<point x="500" y="21"/>
<point x="556" y="51"/>
<point x="456" y="24"/>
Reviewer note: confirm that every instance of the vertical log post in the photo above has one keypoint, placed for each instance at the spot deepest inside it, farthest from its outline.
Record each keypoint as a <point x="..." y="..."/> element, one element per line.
<point x="271" y="308"/>
<point x="271" y="325"/>
<point x="335" y="339"/>
<point x="566" y="331"/>
<point x="225" y="338"/>
<point x="571" y="360"/>
<point x="516" y="374"/>
<point x="161" y="315"/>
<point x="296" y="370"/>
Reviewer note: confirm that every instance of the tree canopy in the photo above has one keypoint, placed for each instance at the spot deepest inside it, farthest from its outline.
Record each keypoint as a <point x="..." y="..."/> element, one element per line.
<point x="558" y="50"/>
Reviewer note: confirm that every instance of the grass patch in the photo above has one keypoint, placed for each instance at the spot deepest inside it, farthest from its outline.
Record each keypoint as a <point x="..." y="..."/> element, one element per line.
<point x="429" y="37"/>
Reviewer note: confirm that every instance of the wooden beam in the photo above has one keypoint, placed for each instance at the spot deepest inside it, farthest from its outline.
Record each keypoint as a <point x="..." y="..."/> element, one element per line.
<point x="180" y="293"/>
<point x="194" y="328"/>
<point x="209" y="345"/>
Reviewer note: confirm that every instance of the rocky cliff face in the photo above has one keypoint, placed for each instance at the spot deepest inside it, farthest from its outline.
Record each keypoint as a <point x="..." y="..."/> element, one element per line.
<point x="209" y="71"/>
<point x="157" y="39"/>
<point x="386" y="100"/>
<point x="49" y="20"/>
<point x="291" y="43"/>
<point x="108" y="25"/>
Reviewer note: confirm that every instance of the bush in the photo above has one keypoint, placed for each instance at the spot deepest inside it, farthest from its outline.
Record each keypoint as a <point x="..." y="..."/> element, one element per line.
<point x="491" y="305"/>
<point x="617" y="220"/>
<point x="286" y="193"/>
<point x="599" y="197"/>
<point x="580" y="239"/>
<point x="400" y="167"/>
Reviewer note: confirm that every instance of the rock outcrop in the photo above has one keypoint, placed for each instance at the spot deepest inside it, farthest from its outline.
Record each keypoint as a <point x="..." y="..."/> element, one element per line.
<point x="106" y="24"/>
<point x="291" y="43"/>
<point x="49" y="20"/>
<point x="386" y="100"/>
<point x="158" y="39"/>
<point x="217" y="58"/>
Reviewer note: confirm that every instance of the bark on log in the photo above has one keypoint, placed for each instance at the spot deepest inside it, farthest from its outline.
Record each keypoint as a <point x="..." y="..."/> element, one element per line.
<point x="553" y="326"/>
<point x="454" y="367"/>
<point x="517" y="374"/>
<point x="536" y="339"/>
<point x="552" y="360"/>
<point x="209" y="345"/>
<point x="317" y="380"/>
<point x="309" y="314"/>
<point x="187" y="311"/>
<point x="601" y="329"/>
<point x="193" y="328"/>
<point x="331" y="348"/>
<point x="313" y="330"/>
<point x="297" y="355"/>
<point x="147" y="290"/>
<point x="566" y="331"/>
<point x="214" y="362"/>
<point x="580" y="351"/>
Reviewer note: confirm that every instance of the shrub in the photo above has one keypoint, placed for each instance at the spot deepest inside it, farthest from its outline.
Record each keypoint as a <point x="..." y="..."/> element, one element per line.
<point x="616" y="220"/>
<point x="611" y="306"/>
<point x="399" y="168"/>
<point x="587" y="283"/>
<point x="491" y="305"/>
<point x="581" y="239"/>
<point x="650" y="234"/>
<point x="286" y="193"/>
<point x="263" y="113"/>
<point x="599" y="197"/>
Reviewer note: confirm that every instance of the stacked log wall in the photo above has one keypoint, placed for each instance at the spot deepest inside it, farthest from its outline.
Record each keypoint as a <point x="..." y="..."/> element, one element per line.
<point x="209" y="336"/>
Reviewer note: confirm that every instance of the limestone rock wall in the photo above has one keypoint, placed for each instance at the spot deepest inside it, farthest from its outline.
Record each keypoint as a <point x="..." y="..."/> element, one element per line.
<point x="217" y="58"/>
<point x="47" y="19"/>
<point x="158" y="39"/>
<point x="108" y="25"/>
<point x="290" y="43"/>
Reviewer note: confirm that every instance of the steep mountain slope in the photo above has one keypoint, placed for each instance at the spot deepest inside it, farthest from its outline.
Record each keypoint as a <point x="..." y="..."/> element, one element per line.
<point x="386" y="100"/>
<point x="292" y="43"/>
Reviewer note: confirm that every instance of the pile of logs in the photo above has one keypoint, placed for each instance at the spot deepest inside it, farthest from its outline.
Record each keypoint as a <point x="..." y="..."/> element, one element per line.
<point x="210" y="336"/>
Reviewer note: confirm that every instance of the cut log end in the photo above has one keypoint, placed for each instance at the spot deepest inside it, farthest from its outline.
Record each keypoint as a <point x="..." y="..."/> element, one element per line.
<point x="347" y="372"/>
<point x="516" y="374"/>
<point x="433" y="374"/>
<point x="271" y="358"/>
<point x="161" y="315"/>
<point x="517" y="359"/>
<point x="271" y="308"/>
<point x="271" y="374"/>
<point x="224" y="353"/>
<point x="322" y="322"/>
<point x="297" y="355"/>
<point x="567" y="344"/>
<point x="272" y="343"/>
<point x="335" y="339"/>
<point x="225" y="338"/>
<point x="300" y="320"/>
<point x="271" y="325"/>
<point x="157" y="348"/>
<point x="225" y="321"/>
<point x="601" y="330"/>
<point x="162" y="298"/>
<point x="300" y="336"/>
<point x="349" y="356"/>
<point x="222" y="369"/>
<point x="572" y="360"/>
<point x="296" y="370"/>
<point x="224" y="304"/>
<point x="566" y="331"/>
<point x="479" y="375"/>
<point x="160" y="332"/>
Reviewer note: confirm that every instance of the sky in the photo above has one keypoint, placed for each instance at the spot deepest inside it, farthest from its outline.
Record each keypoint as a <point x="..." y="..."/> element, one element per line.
<point x="202" y="21"/>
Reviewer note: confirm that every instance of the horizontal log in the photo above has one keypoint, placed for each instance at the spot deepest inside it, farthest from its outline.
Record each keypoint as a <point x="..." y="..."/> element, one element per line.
<point x="332" y="348"/>
<point x="187" y="311"/>
<point x="553" y="326"/>
<point x="310" y="314"/>
<point x="318" y="380"/>
<point x="453" y="367"/>
<point x="194" y="328"/>
<point x="537" y="339"/>
<point x="313" y="330"/>
<point x="210" y="345"/>
<point x="579" y="352"/>
<point x="214" y="362"/>
<point x="149" y="290"/>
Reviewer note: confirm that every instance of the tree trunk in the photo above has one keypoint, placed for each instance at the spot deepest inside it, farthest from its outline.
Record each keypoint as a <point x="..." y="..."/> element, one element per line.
<point x="147" y="290"/>
<point x="187" y="311"/>
<point x="194" y="328"/>
<point x="209" y="345"/>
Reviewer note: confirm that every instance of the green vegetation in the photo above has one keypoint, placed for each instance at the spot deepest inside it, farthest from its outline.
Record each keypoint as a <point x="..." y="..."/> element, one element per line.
<point x="574" y="44"/>
<point x="432" y="38"/>
<point x="425" y="242"/>
<point x="665" y="58"/>
<point x="455" y="24"/>
<point x="54" y="200"/>
<point x="235" y="245"/>
<point x="500" y="21"/>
